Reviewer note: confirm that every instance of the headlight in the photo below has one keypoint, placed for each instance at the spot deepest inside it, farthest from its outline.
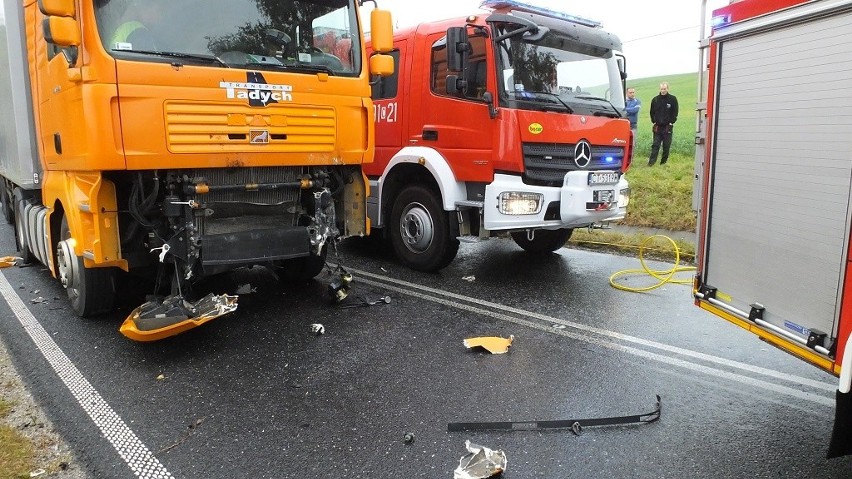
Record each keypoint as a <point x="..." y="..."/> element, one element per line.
<point x="624" y="198"/>
<point x="520" y="203"/>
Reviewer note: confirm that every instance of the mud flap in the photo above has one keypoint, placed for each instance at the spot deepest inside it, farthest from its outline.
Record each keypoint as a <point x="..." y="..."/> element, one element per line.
<point x="173" y="315"/>
<point x="841" y="435"/>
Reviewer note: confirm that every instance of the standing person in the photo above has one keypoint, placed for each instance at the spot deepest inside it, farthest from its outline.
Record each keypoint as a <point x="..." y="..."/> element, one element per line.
<point x="632" y="107"/>
<point x="663" y="116"/>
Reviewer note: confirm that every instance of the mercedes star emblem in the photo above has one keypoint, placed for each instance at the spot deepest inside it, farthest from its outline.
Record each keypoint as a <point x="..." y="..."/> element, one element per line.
<point x="582" y="154"/>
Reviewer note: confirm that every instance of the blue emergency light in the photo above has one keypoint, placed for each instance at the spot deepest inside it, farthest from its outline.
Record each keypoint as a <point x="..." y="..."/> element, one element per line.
<point x="524" y="7"/>
<point x="720" y="21"/>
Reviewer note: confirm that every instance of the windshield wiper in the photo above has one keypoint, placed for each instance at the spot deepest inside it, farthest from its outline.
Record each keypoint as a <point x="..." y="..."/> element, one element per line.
<point x="295" y="67"/>
<point x="187" y="56"/>
<point x="554" y="95"/>
<point x="597" y="98"/>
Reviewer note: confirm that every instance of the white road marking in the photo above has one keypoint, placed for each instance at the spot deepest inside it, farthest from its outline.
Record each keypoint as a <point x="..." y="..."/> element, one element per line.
<point x="137" y="456"/>
<point x="408" y="288"/>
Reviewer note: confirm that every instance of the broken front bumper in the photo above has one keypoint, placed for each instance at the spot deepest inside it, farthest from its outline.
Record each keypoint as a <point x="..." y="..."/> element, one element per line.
<point x="173" y="315"/>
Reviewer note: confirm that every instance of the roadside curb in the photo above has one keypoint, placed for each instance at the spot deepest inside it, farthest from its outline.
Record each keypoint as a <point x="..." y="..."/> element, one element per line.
<point x="687" y="236"/>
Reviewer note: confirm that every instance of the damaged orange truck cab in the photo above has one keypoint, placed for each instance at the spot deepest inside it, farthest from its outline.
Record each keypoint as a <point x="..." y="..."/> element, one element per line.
<point x="508" y="122"/>
<point x="177" y="140"/>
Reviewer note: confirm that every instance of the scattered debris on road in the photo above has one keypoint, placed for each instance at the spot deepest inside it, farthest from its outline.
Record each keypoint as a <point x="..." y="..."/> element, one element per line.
<point x="317" y="329"/>
<point x="469" y="279"/>
<point x="575" y="425"/>
<point x="480" y="462"/>
<point x="8" y="261"/>
<point x="366" y="302"/>
<point x="492" y="344"/>
<point x="245" y="289"/>
<point x="408" y="438"/>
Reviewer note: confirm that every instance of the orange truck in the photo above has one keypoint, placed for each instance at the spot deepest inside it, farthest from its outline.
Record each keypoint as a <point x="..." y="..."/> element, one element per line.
<point x="775" y="182"/>
<point x="508" y="122"/>
<point x="176" y="140"/>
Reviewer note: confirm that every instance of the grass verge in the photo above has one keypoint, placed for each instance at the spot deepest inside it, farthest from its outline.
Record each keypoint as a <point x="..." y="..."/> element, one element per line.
<point x="16" y="451"/>
<point x="657" y="248"/>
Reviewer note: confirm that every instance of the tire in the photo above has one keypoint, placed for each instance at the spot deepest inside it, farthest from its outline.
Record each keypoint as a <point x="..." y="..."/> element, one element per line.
<point x="90" y="290"/>
<point x="7" y="202"/>
<point x="303" y="269"/>
<point x="420" y="230"/>
<point x="544" y="241"/>
<point x="21" y="238"/>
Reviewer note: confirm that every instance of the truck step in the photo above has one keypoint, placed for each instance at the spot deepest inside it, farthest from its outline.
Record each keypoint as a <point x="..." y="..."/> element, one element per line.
<point x="471" y="239"/>
<point x="469" y="204"/>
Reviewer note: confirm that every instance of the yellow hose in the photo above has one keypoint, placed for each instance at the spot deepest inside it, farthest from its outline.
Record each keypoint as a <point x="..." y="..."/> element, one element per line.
<point x="663" y="277"/>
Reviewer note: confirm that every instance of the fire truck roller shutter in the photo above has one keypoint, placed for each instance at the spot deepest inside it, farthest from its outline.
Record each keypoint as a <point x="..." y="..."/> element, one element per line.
<point x="781" y="171"/>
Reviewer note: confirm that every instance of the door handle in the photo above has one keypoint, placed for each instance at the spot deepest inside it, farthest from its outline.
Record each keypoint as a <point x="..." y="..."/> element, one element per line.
<point x="430" y="135"/>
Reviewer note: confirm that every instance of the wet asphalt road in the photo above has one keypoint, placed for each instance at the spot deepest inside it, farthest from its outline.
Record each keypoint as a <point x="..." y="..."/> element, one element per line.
<point x="255" y="394"/>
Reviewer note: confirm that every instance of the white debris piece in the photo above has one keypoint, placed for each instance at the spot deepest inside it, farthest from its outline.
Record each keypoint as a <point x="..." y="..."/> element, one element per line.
<point x="480" y="463"/>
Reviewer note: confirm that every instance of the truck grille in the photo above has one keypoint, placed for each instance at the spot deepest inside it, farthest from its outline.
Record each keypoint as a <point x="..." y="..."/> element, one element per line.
<point x="225" y="127"/>
<point x="245" y="176"/>
<point x="547" y="163"/>
<point x="237" y="211"/>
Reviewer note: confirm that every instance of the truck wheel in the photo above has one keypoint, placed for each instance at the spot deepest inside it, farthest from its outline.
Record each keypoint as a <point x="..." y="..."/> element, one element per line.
<point x="302" y="269"/>
<point x="21" y="240"/>
<point x="7" y="205"/>
<point x="90" y="290"/>
<point x="544" y="241"/>
<point x="420" y="230"/>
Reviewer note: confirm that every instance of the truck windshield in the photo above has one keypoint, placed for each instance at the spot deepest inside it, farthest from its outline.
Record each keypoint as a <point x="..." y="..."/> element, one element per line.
<point x="300" y="35"/>
<point x="557" y="73"/>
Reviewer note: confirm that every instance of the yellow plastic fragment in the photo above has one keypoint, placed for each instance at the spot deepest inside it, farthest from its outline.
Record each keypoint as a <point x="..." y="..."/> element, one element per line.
<point x="7" y="261"/>
<point x="493" y="344"/>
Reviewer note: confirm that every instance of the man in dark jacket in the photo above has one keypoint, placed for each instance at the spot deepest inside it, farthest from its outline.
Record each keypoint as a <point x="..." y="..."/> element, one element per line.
<point x="663" y="116"/>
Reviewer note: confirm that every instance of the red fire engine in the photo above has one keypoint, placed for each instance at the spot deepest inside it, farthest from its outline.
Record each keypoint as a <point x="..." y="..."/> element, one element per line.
<point x="508" y="122"/>
<point x="775" y="182"/>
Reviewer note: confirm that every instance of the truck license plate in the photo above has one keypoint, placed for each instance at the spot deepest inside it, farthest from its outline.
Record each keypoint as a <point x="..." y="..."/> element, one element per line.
<point x="603" y="178"/>
<point x="603" y="196"/>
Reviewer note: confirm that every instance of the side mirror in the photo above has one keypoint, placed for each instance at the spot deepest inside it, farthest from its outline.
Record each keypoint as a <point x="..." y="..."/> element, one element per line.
<point x="622" y="65"/>
<point x="381" y="31"/>
<point x="488" y="99"/>
<point x="455" y="84"/>
<point x="381" y="65"/>
<point x="62" y="31"/>
<point x="457" y="48"/>
<point x="57" y="8"/>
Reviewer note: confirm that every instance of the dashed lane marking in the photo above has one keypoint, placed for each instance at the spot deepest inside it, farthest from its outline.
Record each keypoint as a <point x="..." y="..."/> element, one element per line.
<point x="137" y="456"/>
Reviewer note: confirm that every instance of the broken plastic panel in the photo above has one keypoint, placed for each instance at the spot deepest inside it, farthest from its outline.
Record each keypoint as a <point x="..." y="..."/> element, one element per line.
<point x="8" y="261"/>
<point x="173" y="315"/>
<point x="480" y="462"/>
<point x="493" y="344"/>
